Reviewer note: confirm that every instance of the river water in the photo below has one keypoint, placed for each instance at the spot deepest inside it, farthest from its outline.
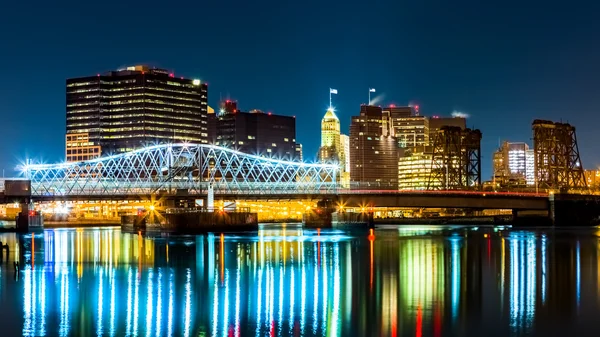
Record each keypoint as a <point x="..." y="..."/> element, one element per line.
<point x="286" y="281"/>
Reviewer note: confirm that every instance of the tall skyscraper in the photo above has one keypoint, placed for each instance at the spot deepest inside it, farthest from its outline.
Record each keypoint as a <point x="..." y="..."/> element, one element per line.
<point x="331" y="149"/>
<point x="514" y="165"/>
<point x="373" y="155"/>
<point x="136" y="106"/>
<point x="258" y="133"/>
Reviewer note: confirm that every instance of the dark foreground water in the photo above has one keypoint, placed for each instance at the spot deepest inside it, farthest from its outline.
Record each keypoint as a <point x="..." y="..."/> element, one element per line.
<point x="285" y="281"/>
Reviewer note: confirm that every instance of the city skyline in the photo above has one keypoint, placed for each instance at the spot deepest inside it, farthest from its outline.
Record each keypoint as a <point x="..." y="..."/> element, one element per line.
<point x="503" y="76"/>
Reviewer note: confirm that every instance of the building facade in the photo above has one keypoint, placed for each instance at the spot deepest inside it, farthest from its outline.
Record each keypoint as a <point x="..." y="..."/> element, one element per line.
<point x="373" y="155"/>
<point x="414" y="169"/>
<point x="80" y="148"/>
<point x="436" y="123"/>
<point x="331" y="149"/>
<point x="514" y="165"/>
<point x="258" y="133"/>
<point x="137" y="106"/>
<point x="345" y="145"/>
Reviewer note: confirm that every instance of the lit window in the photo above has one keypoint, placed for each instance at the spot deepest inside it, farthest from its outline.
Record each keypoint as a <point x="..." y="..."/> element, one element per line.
<point x="269" y="150"/>
<point x="274" y="145"/>
<point x="241" y="143"/>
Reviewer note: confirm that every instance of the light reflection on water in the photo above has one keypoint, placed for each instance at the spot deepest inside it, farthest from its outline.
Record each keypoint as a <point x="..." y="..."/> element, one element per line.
<point x="285" y="281"/>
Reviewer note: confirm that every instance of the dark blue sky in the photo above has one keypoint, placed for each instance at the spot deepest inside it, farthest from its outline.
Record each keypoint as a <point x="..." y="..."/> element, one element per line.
<point x="504" y="63"/>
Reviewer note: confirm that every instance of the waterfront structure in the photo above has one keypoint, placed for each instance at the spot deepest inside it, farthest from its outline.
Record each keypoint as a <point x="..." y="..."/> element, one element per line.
<point x="179" y="168"/>
<point x="80" y="148"/>
<point x="514" y="165"/>
<point x="257" y="133"/>
<point x="456" y="161"/>
<point x="556" y="156"/>
<point x="135" y="106"/>
<point x="373" y="154"/>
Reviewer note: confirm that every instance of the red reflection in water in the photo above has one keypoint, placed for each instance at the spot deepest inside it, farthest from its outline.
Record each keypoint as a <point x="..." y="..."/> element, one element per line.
<point x="419" y="321"/>
<point x="371" y="239"/>
<point x="437" y="322"/>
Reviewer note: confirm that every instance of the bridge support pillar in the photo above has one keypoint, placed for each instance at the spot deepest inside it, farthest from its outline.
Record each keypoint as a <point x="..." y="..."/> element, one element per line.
<point x="574" y="209"/>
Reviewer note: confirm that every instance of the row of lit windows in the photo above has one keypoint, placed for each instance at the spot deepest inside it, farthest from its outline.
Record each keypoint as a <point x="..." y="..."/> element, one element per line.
<point x="81" y="84"/>
<point x="73" y="158"/>
<point x="138" y="108"/>
<point x="95" y="149"/>
<point x="79" y="144"/>
<point x="82" y="104"/>
<point x="145" y="115"/>
<point x="142" y="94"/>
<point x="185" y="85"/>
<point x="143" y="135"/>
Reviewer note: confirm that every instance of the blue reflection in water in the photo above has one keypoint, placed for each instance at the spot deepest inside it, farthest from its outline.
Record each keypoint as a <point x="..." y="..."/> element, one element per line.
<point x="262" y="285"/>
<point x="455" y="295"/>
<point x="523" y="280"/>
<point x="544" y="270"/>
<point x="100" y="302"/>
<point x="578" y="274"/>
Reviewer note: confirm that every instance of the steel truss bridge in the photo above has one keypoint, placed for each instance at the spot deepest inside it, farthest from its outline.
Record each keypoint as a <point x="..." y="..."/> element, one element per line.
<point x="171" y="168"/>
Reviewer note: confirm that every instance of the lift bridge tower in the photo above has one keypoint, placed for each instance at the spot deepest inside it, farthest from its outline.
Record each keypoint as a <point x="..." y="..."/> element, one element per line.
<point x="456" y="159"/>
<point x="556" y="157"/>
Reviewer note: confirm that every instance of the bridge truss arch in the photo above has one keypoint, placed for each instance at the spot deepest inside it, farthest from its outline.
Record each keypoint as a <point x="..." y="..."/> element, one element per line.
<point x="169" y="168"/>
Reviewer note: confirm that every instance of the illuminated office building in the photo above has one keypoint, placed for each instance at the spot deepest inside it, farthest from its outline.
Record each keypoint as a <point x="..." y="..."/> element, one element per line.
<point x="258" y="133"/>
<point x="345" y="145"/>
<point x="514" y="165"/>
<point x="414" y="169"/>
<point x="373" y="155"/>
<point x="331" y="149"/>
<point x="132" y="107"/>
<point x="592" y="178"/>
<point x="80" y="148"/>
<point x="334" y="146"/>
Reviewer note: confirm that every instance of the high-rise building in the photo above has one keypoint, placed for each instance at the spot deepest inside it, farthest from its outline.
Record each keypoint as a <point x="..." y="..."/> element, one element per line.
<point x="132" y="107"/>
<point x="258" y="133"/>
<point x="331" y="149"/>
<point x="406" y="125"/>
<point x="373" y="155"/>
<point x="514" y="165"/>
<point x="212" y="125"/>
<point x="436" y="123"/>
<point x="80" y="148"/>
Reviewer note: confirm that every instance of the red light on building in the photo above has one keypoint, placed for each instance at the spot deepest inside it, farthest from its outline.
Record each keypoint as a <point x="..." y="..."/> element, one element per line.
<point x="269" y="114"/>
<point x="392" y="105"/>
<point x="171" y="75"/>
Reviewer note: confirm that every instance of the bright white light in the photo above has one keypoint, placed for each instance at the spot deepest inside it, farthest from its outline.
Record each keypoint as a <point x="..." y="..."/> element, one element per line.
<point x="196" y="82"/>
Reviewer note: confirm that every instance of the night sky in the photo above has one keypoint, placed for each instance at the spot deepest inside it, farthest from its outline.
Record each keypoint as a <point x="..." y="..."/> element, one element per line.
<point x="504" y="64"/>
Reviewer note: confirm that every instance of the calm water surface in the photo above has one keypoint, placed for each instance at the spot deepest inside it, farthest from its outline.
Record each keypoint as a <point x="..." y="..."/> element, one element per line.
<point x="285" y="281"/>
